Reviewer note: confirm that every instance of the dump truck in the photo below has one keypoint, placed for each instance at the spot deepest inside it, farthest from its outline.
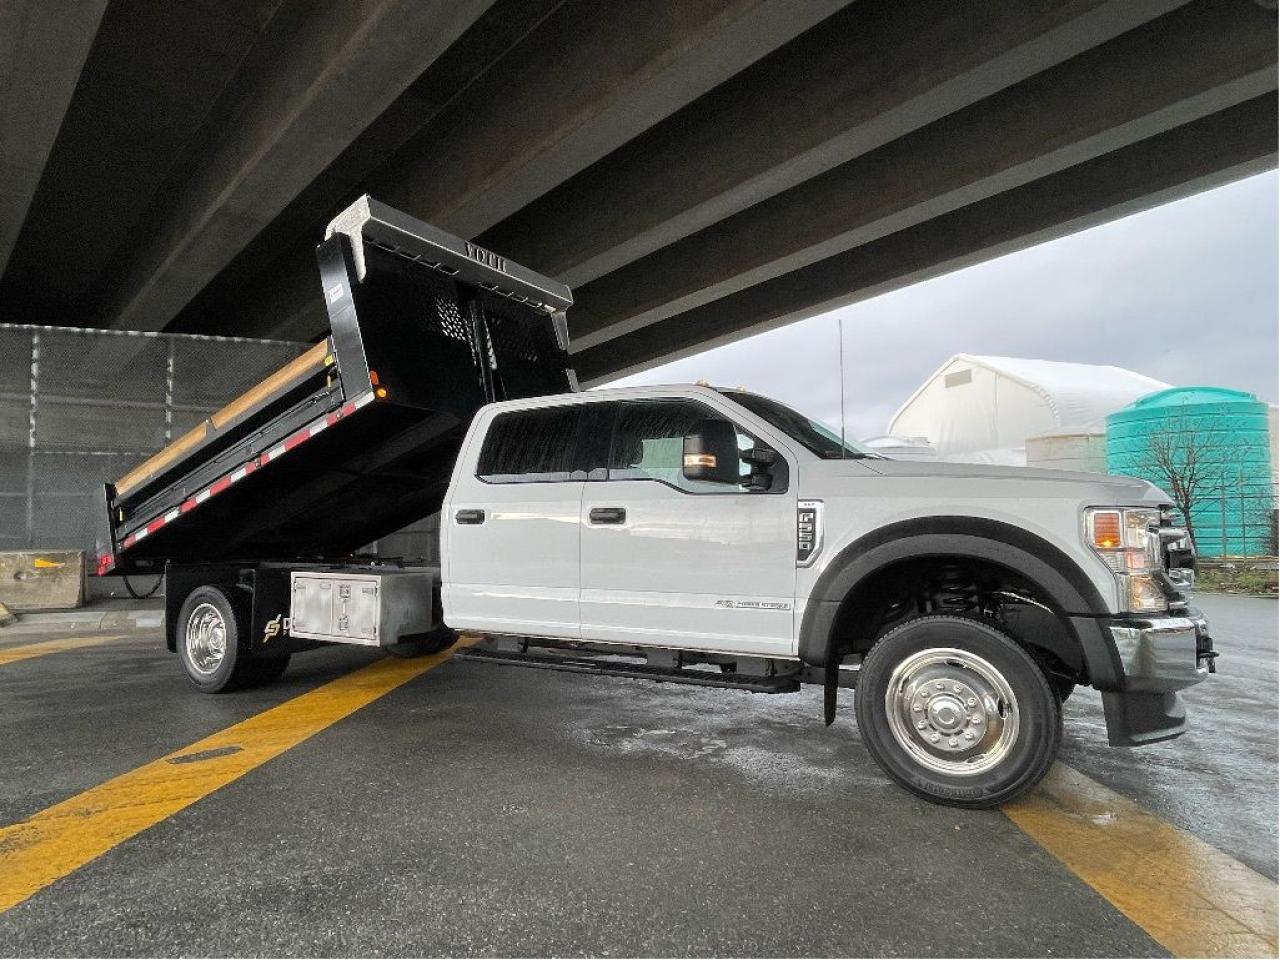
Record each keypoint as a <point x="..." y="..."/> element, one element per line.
<point x="685" y="534"/>
<point x="352" y="440"/>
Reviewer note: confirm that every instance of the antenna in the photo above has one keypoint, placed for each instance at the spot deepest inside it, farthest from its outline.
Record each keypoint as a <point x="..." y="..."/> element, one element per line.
<point x="840" y="334"/>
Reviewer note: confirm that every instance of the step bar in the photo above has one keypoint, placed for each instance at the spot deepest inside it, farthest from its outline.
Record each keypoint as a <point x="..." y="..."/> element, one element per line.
<point x="571" y="663"/>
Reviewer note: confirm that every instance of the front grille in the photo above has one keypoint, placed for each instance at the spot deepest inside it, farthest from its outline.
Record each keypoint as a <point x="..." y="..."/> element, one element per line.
<point x="1170" y="551"/>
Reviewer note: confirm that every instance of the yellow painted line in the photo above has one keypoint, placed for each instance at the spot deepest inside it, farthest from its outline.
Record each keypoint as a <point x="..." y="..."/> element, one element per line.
<point x="1192" y="898"/>
<point x="29" y="650"/>
<point x="66" y="836"/>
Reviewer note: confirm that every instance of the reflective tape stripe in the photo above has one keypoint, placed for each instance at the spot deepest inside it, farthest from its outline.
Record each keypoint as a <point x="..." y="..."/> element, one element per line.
<point x="301" y="436"/>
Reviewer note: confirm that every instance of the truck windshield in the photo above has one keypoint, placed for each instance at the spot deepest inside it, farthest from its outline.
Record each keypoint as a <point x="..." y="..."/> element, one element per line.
<point x="813" y="435"/>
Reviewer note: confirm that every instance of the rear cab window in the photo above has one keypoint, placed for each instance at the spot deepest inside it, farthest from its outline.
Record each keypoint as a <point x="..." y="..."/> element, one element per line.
<point x="531" y="446"/>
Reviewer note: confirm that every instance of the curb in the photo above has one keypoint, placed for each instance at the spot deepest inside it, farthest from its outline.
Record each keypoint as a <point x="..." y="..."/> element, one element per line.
<point x="89" y="620"/>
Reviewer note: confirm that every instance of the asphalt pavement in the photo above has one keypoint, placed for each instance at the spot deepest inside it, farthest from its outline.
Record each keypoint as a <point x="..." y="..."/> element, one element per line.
<point x="486" y="810"/>
<point x="1218" y="780"/>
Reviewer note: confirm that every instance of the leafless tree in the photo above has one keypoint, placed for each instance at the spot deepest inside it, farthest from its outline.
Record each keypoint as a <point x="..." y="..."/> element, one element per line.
<point x="1196" y="465"/>
<point x="1188" y="462"/>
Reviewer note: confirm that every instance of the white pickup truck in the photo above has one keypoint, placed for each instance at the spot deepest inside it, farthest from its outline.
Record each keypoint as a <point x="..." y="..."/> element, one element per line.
<point x="720" y="533"/>
<point x="681" y="534"/>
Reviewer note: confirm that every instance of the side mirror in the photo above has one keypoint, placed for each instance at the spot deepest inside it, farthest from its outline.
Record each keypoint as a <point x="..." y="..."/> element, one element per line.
<point x="711" y="453"/>
<point x="760" y="461"/>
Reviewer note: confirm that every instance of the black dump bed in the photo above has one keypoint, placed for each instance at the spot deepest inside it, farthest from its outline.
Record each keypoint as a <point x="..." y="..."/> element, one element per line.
<point x="357" y="437"/>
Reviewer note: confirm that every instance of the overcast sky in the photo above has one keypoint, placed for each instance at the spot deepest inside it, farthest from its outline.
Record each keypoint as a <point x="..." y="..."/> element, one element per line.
<point x="1185" y="293"/>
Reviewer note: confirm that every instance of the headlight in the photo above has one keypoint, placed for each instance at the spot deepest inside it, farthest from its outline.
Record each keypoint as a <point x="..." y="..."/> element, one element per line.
<point x="1128" y="541"/>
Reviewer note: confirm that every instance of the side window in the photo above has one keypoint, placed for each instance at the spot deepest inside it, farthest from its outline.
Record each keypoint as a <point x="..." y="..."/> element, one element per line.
<point x="530" y="446"/>
<point x="648" y="443"/>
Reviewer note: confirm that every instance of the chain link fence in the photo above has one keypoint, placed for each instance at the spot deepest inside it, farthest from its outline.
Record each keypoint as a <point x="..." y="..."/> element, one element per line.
<point x="79" y="408"/>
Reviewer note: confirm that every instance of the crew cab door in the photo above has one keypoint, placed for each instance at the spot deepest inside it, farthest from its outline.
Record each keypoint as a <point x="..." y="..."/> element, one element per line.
<point x="672" y="562"/>
<point x="511" y="559"/>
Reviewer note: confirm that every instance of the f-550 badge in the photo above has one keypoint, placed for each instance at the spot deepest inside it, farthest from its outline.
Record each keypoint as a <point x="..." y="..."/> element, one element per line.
<point x="753" y="605"/>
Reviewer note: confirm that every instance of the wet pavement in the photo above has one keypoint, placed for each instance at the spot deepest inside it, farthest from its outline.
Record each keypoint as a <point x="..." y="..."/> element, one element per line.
<point x="1219" y="779"/>
<point x="491" y="810"/>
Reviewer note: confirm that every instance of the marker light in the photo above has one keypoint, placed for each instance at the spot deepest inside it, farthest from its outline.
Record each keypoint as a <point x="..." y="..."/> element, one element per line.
<point x="1104" y="529"/>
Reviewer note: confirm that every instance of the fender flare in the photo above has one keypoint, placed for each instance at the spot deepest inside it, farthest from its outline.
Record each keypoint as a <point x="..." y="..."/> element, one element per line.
<point x="1070" y="593"/>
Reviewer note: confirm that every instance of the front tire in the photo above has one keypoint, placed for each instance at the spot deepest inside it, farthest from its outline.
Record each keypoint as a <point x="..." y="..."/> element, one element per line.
<point x="956" y="711"/>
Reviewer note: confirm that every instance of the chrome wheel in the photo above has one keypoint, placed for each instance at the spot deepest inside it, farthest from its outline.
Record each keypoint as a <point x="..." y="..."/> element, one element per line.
<point x="206" y="638"/>
<point x="952" y="711"/>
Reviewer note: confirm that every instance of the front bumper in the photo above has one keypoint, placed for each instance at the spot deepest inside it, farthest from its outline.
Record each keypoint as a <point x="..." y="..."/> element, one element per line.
<point x="1158" y="657"/>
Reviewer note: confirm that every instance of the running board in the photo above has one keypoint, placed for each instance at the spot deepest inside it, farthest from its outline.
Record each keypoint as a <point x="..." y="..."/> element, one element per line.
<point x="603" y="668"/>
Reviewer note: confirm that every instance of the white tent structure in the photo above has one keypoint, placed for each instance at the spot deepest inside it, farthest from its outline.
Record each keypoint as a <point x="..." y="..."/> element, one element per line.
<point x="983" y="409"/>
<point x="902" y="448"/>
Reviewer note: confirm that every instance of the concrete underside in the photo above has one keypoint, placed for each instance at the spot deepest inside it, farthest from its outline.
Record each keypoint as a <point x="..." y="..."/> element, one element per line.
<point x="501" y="811"/>
<point x="697" y="169"/>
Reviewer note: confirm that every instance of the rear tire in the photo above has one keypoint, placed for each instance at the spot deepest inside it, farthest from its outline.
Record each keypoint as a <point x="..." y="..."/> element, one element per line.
<point x="956" y="711"/>
<point x="211" y="639"/>
<point x="264" y="670"/>
<point x="422" y="644"/>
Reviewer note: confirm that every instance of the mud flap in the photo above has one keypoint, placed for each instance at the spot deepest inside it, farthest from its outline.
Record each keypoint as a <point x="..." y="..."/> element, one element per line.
<point x="830" y="684"/>
<point x="1135" y="719"/>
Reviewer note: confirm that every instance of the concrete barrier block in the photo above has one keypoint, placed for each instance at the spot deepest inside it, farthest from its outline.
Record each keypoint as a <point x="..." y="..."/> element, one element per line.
<point x="42" y="580"/>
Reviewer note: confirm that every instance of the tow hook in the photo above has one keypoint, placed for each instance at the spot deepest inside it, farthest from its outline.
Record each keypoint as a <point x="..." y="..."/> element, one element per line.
<point x="1205" y="652"/>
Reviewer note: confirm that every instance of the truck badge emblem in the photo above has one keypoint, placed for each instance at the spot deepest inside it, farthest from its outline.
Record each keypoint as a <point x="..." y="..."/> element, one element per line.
<point x="277" y="625"/>
<point x="752" y="605"/>
<point x="481" y="255"/>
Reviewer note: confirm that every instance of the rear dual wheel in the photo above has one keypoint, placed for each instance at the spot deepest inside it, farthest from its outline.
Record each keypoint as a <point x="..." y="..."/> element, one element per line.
<point x="955" y="710"/>
<point x="422" y="644"/>
<point x="212" y="642"/>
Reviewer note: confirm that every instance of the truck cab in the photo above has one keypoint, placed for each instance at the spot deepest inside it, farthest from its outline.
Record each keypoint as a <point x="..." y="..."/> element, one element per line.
<point x="694" y="526"/>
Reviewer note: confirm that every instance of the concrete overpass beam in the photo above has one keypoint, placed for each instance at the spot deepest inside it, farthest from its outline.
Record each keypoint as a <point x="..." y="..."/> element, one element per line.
<point x="43" y="46"/>
<point x="1232" y="143"/>
<point x="320" y="74"/>
<point x="575" y="89"/>
<point x="868" y="75"/>
<point x="581" y="86"/>
<point x="1192" y="63"/>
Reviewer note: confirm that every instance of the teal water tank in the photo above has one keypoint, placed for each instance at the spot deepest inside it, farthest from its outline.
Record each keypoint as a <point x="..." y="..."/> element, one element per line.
<point x="1217" y="438"/>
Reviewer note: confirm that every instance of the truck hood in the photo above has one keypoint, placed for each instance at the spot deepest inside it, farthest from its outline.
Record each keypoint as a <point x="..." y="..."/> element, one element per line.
<point x="1119" y="487"/>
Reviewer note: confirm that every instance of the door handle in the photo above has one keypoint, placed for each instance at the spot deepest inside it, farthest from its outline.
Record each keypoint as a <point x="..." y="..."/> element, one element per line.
<point x="469" y="516"/>
<point x="607" y="515"/>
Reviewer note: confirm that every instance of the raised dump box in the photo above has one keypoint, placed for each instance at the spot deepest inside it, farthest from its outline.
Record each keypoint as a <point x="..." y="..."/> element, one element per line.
<point x="357" y="437"/>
